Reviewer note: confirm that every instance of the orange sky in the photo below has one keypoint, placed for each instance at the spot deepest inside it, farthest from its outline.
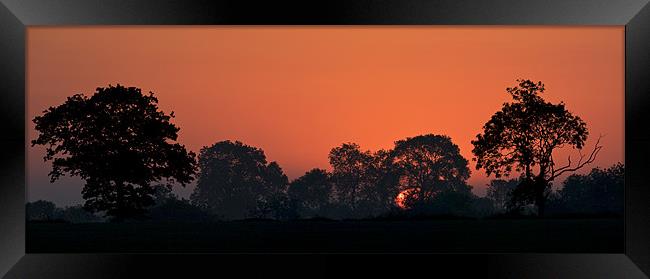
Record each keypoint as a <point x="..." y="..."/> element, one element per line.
<point x="296" y="92"/>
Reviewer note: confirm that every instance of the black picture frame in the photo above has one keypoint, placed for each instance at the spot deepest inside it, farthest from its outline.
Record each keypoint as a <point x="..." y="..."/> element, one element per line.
<point x="17" y="15"/>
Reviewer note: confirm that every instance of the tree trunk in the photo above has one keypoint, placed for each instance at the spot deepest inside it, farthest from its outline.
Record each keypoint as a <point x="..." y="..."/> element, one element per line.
<point x="540" y="197"/>
<point x="540" y="188"/>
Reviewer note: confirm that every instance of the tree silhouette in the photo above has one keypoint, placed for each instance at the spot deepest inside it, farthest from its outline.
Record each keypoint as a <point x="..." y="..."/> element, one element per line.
<point x="522" y="137"/>
<point x="120" y="143"/>
<point x="500" y="192"/>
<point x="385" y="179"/>
<point x="350" y="173"/>
<point x="363" y="181"/>
<point x="274" y="202"/>
<point x="235" y="180"/>
<point x="600" y="191"/>
<point x="428" y="165"/>
<point x="313" y="191"/>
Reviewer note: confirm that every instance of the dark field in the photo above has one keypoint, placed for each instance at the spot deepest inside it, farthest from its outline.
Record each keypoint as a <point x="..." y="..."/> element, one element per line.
<point x="462" y="236"/>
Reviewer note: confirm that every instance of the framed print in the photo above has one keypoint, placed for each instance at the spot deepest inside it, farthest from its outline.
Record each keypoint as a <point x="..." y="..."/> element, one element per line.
<point x="165" y="138"/>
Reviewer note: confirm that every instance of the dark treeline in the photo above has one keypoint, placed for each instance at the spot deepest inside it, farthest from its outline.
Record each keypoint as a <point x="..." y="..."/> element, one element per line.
<point x="47" y="211"/>
<point x="125" y="149"/>
<point x="600" y="192"/>
<point x="313" y="195"/>
<point x="235" y="181"/>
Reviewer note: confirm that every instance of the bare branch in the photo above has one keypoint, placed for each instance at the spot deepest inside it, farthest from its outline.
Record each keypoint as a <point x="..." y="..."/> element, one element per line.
<point x="581" y="162"/>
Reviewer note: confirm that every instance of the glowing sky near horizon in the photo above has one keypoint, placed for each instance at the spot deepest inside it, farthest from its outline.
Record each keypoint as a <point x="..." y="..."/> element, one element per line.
<point x="296" y="92"/>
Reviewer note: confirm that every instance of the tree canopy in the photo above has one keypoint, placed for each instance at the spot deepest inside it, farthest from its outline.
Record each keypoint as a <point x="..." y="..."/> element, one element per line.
<point x="363" y="181"/>
<point x="120" y="143"/>
<point x="314" y="191"/>
<point x="428" y="165"/>
<point x="235" y="179"/>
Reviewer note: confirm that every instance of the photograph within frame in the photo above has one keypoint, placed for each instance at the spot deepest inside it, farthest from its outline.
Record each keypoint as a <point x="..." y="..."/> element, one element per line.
<point x="342" y="158"/>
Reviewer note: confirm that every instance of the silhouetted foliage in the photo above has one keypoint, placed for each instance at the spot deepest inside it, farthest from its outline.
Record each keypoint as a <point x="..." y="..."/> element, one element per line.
<point x="275" y="202"/>
<point x="235" y="180"/>
<point x="363" y="181"/>
<point x="120" y="143"/>
<point x="350" y="173"/>
<point x="47" y="211"/>
<point x="386" y="180"/>
<point x="42" y="211"/>
<point x="313" y="191"/>
<point x="500" y="192"/>
<point x="429" y="166"/>
<point x="522" y="137"/>
<point x="600" y="191"/>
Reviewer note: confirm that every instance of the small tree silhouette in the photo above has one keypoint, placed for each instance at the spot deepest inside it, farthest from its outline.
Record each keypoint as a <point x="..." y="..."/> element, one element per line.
<point x="120" y="143"/>
<point x="523" y="135"/>
<point x="313" y="191"/>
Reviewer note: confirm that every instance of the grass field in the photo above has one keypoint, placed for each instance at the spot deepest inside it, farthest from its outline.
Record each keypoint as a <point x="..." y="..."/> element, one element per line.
<point x="364" y="236"/>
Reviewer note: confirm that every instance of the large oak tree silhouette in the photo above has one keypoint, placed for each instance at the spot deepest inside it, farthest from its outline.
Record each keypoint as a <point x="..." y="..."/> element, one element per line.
<point x="120" y="143"/>
<point x="523" y="135"/>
